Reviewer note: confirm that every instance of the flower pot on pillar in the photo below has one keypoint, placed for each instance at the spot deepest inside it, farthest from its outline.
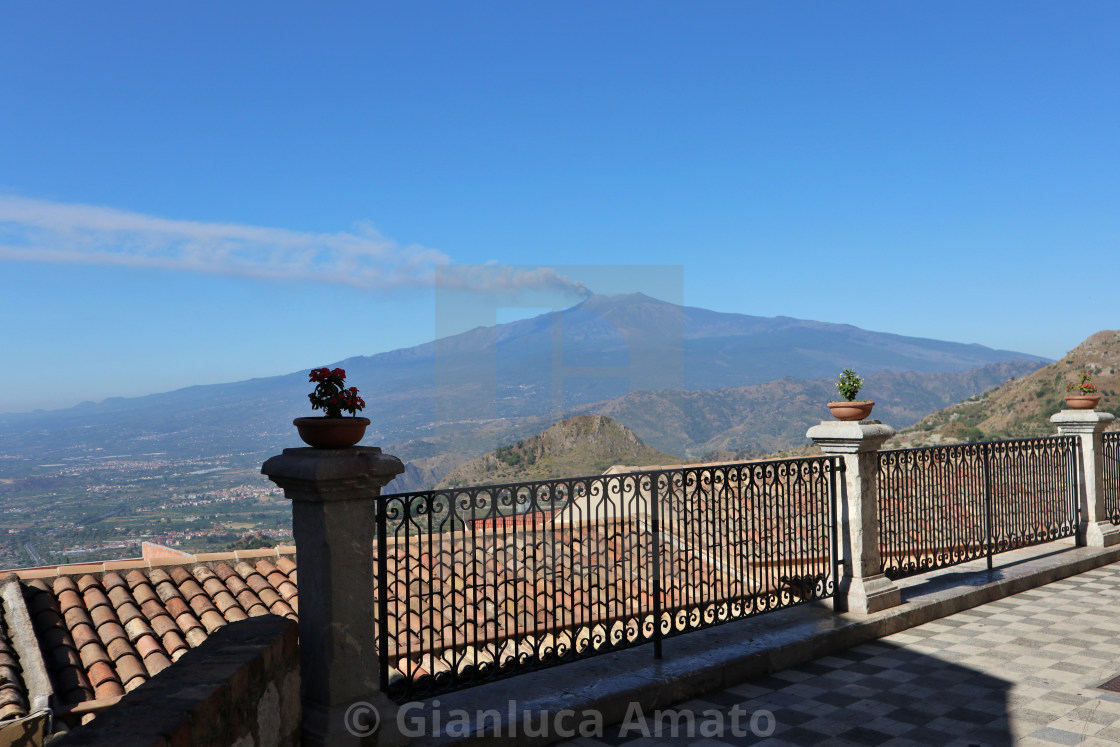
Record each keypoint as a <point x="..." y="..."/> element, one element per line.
<point x="1082" y="401"/>
<point x="331" y="433"/>
<point x="850" y="408"/>
<point x="1082" y="395"/>
<point x="858" y="410"/>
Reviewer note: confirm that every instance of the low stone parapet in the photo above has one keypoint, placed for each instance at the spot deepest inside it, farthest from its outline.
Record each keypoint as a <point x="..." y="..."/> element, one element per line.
<point x="240" y="687"/>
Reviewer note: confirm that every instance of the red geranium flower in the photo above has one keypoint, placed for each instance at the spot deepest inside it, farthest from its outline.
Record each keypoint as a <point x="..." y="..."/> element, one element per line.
<point x="331" y="394"/>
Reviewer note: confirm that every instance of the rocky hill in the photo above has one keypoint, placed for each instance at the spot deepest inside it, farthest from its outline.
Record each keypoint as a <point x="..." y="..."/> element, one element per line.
<point x="583" y="445"/>
<point x="1022" y="407"/>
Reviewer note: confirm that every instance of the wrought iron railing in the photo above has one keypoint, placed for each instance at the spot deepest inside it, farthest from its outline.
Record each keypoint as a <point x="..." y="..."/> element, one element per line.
<point x="944" y="505"/>
<point x="480" y="583"/>
<point x="1111" y="469"/>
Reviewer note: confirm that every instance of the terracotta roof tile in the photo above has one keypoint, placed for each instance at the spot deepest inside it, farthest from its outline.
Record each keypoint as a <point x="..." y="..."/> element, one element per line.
<point x="174" y="644"/>
<point x="75" y="614"/>
<point x="94" y="596"/>
<point x="226" y="603"/>
<point x="176" y="607"/>
<point x="94" y="653"/>
<point x="148" y="644"/>
<point x="142" y="590"/>
<point x="131" y="671"/>
<point x="288" y="566"/>
<point x="108" y="689"/>
<point x="219" y="593"/>
<point x="84" y="635"/>
<point x="163" y="584"/>
<point x="68" y="598"/>
<point x="103" y="615"/>
<point x="156" y="663"/>
<point x="213" y="620"/>
<point x="118" y="648"/>
<point x="201" y="604"/>
<point x="251" y="603"/>
<point x="163" y="624"/>
<point x="111" y="631"/>
<point x="128" y="611"/>
<point x="101" y="672"/>
<point x="136" y="628"/>
<point x="229" y="577"/>
<point x="195" y="635"/>
<point x="187" y="584"/>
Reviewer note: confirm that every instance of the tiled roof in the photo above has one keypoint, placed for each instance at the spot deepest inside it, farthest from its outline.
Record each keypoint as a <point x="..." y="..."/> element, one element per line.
<point x="105" y="631"/>
<point x="13" y="694"/>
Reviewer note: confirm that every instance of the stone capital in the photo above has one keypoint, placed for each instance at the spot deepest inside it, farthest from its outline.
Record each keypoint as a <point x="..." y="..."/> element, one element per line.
<point x="849" y="437"/>
<point x="1081" y="422"/>
<point x="325" y="475"/>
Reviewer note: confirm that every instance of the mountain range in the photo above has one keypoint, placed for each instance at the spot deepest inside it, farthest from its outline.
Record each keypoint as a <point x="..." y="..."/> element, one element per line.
<point x="644" y="362"/>
<point x="777" y="414"/>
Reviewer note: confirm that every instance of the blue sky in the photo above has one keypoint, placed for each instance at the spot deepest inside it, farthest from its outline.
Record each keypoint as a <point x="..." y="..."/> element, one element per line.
<point x="209" y="192"/>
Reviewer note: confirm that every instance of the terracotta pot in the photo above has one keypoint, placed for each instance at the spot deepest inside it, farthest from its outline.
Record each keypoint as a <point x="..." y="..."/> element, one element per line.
<point x="1083" y="401"/>
<point x="858" y="410"/>
<point x="331" y="433"/>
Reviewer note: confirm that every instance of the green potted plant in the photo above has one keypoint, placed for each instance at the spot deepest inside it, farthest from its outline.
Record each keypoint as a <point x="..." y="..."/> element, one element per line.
<point x="850" y="408"/>
<point x="1082" y="395"/>
<point x="331" y="395"/>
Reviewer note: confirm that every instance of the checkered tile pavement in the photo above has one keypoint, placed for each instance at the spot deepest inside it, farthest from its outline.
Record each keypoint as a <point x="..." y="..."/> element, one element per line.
<point x="1021" y="670"/>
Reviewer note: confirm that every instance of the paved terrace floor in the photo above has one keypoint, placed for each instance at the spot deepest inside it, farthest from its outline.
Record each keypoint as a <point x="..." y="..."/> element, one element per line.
<point x="1021" y="670"/>
<point x="972" y="657"/>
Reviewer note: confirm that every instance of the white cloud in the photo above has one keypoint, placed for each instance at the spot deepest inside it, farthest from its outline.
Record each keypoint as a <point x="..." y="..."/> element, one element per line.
<point x="42" y="231"/>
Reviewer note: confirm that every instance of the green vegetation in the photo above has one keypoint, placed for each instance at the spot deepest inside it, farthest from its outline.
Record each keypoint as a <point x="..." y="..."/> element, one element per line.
<point x="849" y="384"/>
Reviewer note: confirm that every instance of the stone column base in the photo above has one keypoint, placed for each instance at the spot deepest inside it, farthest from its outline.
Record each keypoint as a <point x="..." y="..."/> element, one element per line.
<point x="1098" y="534"/>
<point x="867" y="595"/>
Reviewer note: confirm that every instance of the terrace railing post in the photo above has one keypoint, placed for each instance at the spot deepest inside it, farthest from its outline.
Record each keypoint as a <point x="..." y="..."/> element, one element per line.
<point x="334" y="494"/>
<point x="1094" y="529"/>
<point x="655" y="560"/>
<point x="989" y="527"/>
<point x="863" y="587"/>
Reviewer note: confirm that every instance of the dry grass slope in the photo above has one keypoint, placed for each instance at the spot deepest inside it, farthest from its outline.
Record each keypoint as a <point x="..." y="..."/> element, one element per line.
<point x="1022" y="407"/>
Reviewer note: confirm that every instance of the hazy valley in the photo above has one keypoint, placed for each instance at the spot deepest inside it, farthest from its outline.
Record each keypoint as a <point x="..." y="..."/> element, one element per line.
<point x="95" y="480"/>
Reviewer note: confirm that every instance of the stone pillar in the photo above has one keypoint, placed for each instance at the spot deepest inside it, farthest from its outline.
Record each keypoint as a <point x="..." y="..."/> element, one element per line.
<point x="1095" y="530"/>
<point x="863" y="587"/>
<point x="333" y="494"/>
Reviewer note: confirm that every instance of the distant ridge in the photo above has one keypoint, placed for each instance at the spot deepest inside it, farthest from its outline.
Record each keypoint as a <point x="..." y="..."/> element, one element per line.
<point x="583" y="445"/>
<point x="1022" y="407"/>
<point x="754" y="420"/>
<point x="441" y="403"/>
